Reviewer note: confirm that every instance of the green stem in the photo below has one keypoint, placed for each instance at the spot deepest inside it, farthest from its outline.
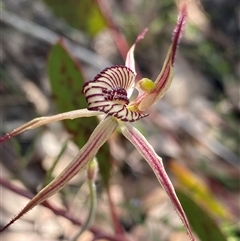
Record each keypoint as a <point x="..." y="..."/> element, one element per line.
<point x="92" y="209"/>
<point x="48" y="177"/>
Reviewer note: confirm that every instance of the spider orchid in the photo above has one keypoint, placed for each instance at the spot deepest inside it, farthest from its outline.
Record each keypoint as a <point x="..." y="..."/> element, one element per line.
<point x="108" y="95"/>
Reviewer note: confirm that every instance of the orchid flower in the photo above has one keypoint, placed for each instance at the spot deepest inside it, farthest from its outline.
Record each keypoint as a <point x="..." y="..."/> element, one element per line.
<point x="108" y="95"/>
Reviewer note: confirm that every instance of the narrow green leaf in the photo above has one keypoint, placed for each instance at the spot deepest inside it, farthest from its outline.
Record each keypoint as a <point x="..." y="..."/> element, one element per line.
<point x="199" y="190"/>
<point x="66" y="81"/>
<point x="202" y="224"/>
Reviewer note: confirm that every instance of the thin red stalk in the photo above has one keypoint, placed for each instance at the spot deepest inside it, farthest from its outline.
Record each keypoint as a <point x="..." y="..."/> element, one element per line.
<point x="118" y="228"/>
<point x="117" y="36"/>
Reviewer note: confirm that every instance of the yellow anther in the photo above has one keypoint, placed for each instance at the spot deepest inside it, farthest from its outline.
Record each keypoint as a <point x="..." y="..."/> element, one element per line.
<point x="146" y="85"/>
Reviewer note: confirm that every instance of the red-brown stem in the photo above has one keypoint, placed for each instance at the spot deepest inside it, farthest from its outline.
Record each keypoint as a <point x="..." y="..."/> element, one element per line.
<point x="118" y="228"/>
<point x="117" y="36"/>
<point x="57" y="211"/>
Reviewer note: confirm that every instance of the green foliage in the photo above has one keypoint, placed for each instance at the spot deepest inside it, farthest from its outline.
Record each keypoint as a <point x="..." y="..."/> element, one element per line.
<point x="202" y="224"/>
<point x="80" y="14"/>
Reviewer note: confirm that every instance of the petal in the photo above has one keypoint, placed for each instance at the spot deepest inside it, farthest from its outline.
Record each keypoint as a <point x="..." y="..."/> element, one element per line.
<point x="178" y="31"/>
<point x="107" y="93"/>
<point x="166" y="74"/>
<point x="148" y="153"/>
<point x="162" y="84"/>
<point x="99" y="136"/>
<point x="48" y="119"/>
<point x="130" y="62"/>
<point x="164" y="79"/>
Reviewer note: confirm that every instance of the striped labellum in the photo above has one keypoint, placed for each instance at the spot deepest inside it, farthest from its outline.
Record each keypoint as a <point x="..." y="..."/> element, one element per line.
<point x="109" y="93"/>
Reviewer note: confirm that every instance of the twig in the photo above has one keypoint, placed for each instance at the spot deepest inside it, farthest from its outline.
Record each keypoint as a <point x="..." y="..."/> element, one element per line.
<point x="57" y="211"/>
<point x="117" y="36"/>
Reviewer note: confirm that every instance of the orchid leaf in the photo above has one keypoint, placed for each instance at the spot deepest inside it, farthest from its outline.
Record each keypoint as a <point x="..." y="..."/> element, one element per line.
<point x="67" y="81"/>
<point x="80" y="14"/>
<point x="202" y="224"/>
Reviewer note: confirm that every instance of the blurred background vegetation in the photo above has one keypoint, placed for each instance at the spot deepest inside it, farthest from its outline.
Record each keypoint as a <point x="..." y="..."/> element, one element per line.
<point x="195" y="128"/>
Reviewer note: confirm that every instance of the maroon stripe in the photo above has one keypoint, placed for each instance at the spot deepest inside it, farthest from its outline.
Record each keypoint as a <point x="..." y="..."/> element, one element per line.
<point x="93" y="95"/>
<point x="164" y="77"/>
